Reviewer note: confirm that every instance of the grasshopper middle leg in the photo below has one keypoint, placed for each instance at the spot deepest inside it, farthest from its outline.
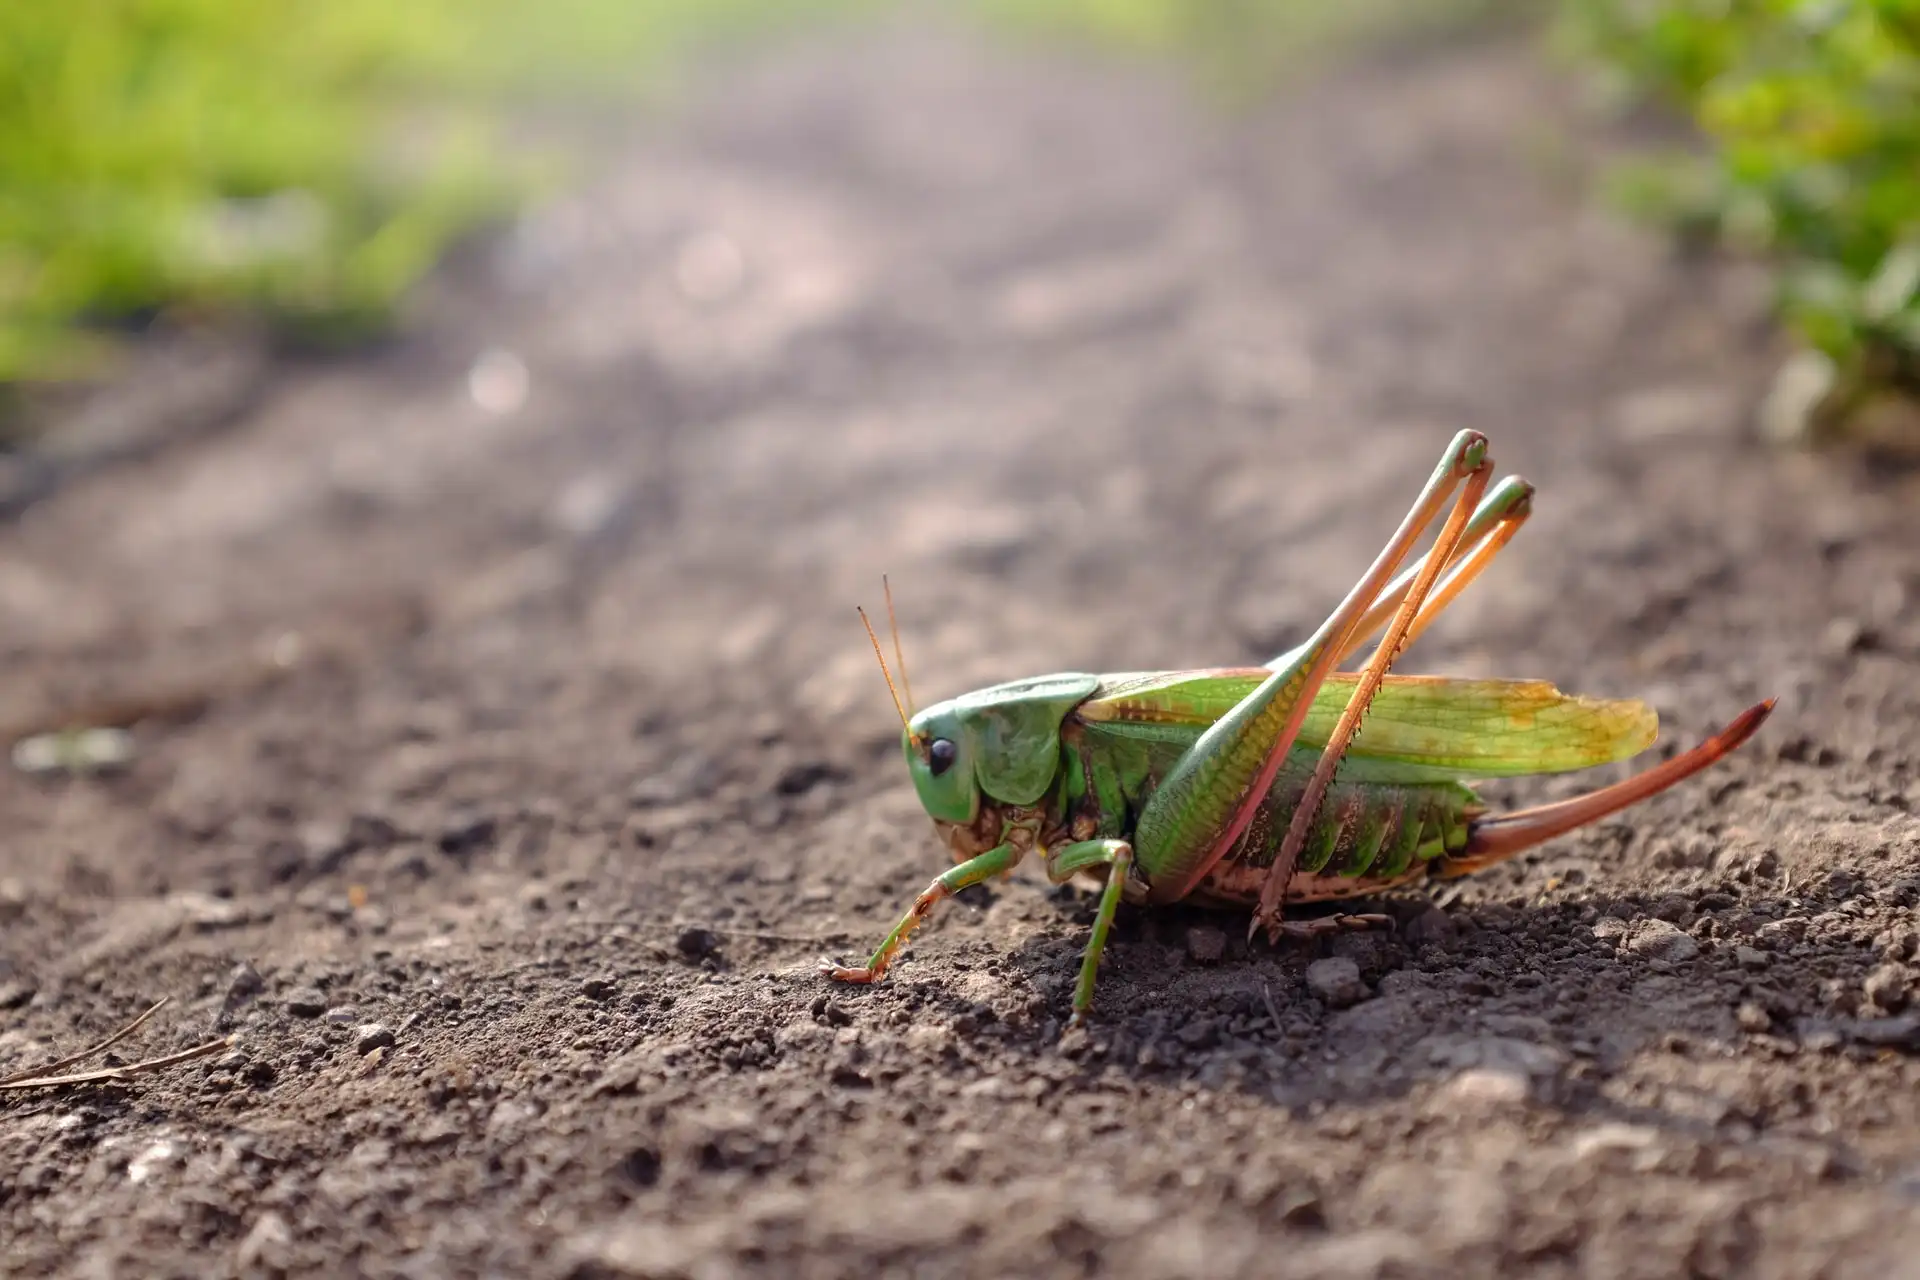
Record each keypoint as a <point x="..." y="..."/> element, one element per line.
<point x="1062" y="865"/>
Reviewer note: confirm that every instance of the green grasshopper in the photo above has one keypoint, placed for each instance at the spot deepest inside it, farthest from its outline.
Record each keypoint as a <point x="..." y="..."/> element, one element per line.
<point x="1253" y="787"/>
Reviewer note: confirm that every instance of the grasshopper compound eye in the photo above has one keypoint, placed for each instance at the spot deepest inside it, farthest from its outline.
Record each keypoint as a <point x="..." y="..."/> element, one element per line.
<point x="940" y="755"/>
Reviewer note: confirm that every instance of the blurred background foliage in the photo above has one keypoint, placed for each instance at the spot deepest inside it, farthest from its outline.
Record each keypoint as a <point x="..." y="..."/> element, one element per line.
<point x="306" y="164"/>
<point x="1809" y="111"/>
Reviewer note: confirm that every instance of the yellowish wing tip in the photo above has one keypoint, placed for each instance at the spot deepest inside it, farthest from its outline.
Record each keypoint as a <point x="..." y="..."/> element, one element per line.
<point x="1649" y="726"/>
<point x="1635" y="724"/>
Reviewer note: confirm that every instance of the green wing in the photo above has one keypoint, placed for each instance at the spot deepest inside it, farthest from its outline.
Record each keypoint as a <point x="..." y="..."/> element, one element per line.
<point x="1420" y="728"/>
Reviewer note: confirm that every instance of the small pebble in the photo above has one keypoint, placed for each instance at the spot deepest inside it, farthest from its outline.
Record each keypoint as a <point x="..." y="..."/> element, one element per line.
<point x="692" y="777"/>
<point x="1845" y="636"/>
<point x="1487" y="1088"/>
<point x="1201" y="1033"/>
<point x="1791" y="929"/>
<point x="265" y="1243"/>
<point x="465" y="832"/>
<point x="341" y="1015"/>
<point x="498" y="381"/>
<point x="374" y="1035"/>
<point x="798" y="779"/>
<point x="322" y="846"/>
<point x="1895" y="1033"/>
<point x="1205" y="944"/>
<point x="1431" y="927"/>
<point x="1661" y="940"/>
<point x="1752" y="1017"/>
<point x="1749" y="958"/>
<point x="1887" y="987"/>
<point x="1614" y="1136"/>
<point x="243" y="982"/>
<point x="598" y="988"/>
<point x="1303" y="1209"/>
<point x="696" y="943"/>
<point x="307" y="1002"/>
<point x="1336" y="981"/>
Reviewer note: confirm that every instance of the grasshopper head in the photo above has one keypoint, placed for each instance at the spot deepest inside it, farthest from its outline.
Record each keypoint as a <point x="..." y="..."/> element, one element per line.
<point x="977" y="755"/>
<point x="1000" y="746"/>
<point x="940" y="759"/>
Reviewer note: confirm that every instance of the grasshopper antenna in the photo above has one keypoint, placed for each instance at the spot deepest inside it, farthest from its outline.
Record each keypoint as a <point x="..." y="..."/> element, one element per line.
<point x="875" y="640"/>
<point x="899" y="658"/>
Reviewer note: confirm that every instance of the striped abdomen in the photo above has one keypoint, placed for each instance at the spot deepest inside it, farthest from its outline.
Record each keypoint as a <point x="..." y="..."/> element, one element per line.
<point x="1366" y="837"/>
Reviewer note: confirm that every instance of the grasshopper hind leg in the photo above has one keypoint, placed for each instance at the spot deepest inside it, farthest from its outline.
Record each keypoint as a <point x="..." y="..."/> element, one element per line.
<point x="1207" y="800"/>
<point x="1495" y="522"/>
<point x="1475" y="469"/>
<point x="1341" y="922"/>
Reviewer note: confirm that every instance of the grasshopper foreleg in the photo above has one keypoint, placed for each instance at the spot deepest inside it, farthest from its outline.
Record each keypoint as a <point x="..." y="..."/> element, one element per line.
<point x="971" y="872"/>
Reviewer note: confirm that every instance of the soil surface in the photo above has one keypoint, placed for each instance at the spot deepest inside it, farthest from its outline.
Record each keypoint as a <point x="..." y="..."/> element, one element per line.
<point x="509" y="751"/>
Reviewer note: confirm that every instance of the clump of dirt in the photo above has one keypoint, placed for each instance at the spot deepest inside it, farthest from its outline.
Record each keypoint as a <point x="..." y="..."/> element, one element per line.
<point x="522" y="753"/>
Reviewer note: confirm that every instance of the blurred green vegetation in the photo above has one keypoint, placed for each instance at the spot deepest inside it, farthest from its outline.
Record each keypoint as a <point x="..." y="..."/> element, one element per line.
<point x="1806" y="120"/>
<point x="304" y="162"/>
<point x="308" y="163"/>
<point x="1811" y="116"/>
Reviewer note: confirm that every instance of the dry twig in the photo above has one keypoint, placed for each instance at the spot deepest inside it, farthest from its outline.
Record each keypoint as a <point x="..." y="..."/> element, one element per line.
<point x="48" y="1077"/>
<point x="1266" y="994"/>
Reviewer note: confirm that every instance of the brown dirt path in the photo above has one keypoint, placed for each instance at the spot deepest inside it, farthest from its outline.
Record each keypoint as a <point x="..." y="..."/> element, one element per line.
<point x="575" y="759"/>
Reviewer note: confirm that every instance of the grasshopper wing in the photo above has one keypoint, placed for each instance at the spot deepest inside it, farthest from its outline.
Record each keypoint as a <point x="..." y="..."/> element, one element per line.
<point x="1486" y="728"/>
<point x="1420" y="728"/>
